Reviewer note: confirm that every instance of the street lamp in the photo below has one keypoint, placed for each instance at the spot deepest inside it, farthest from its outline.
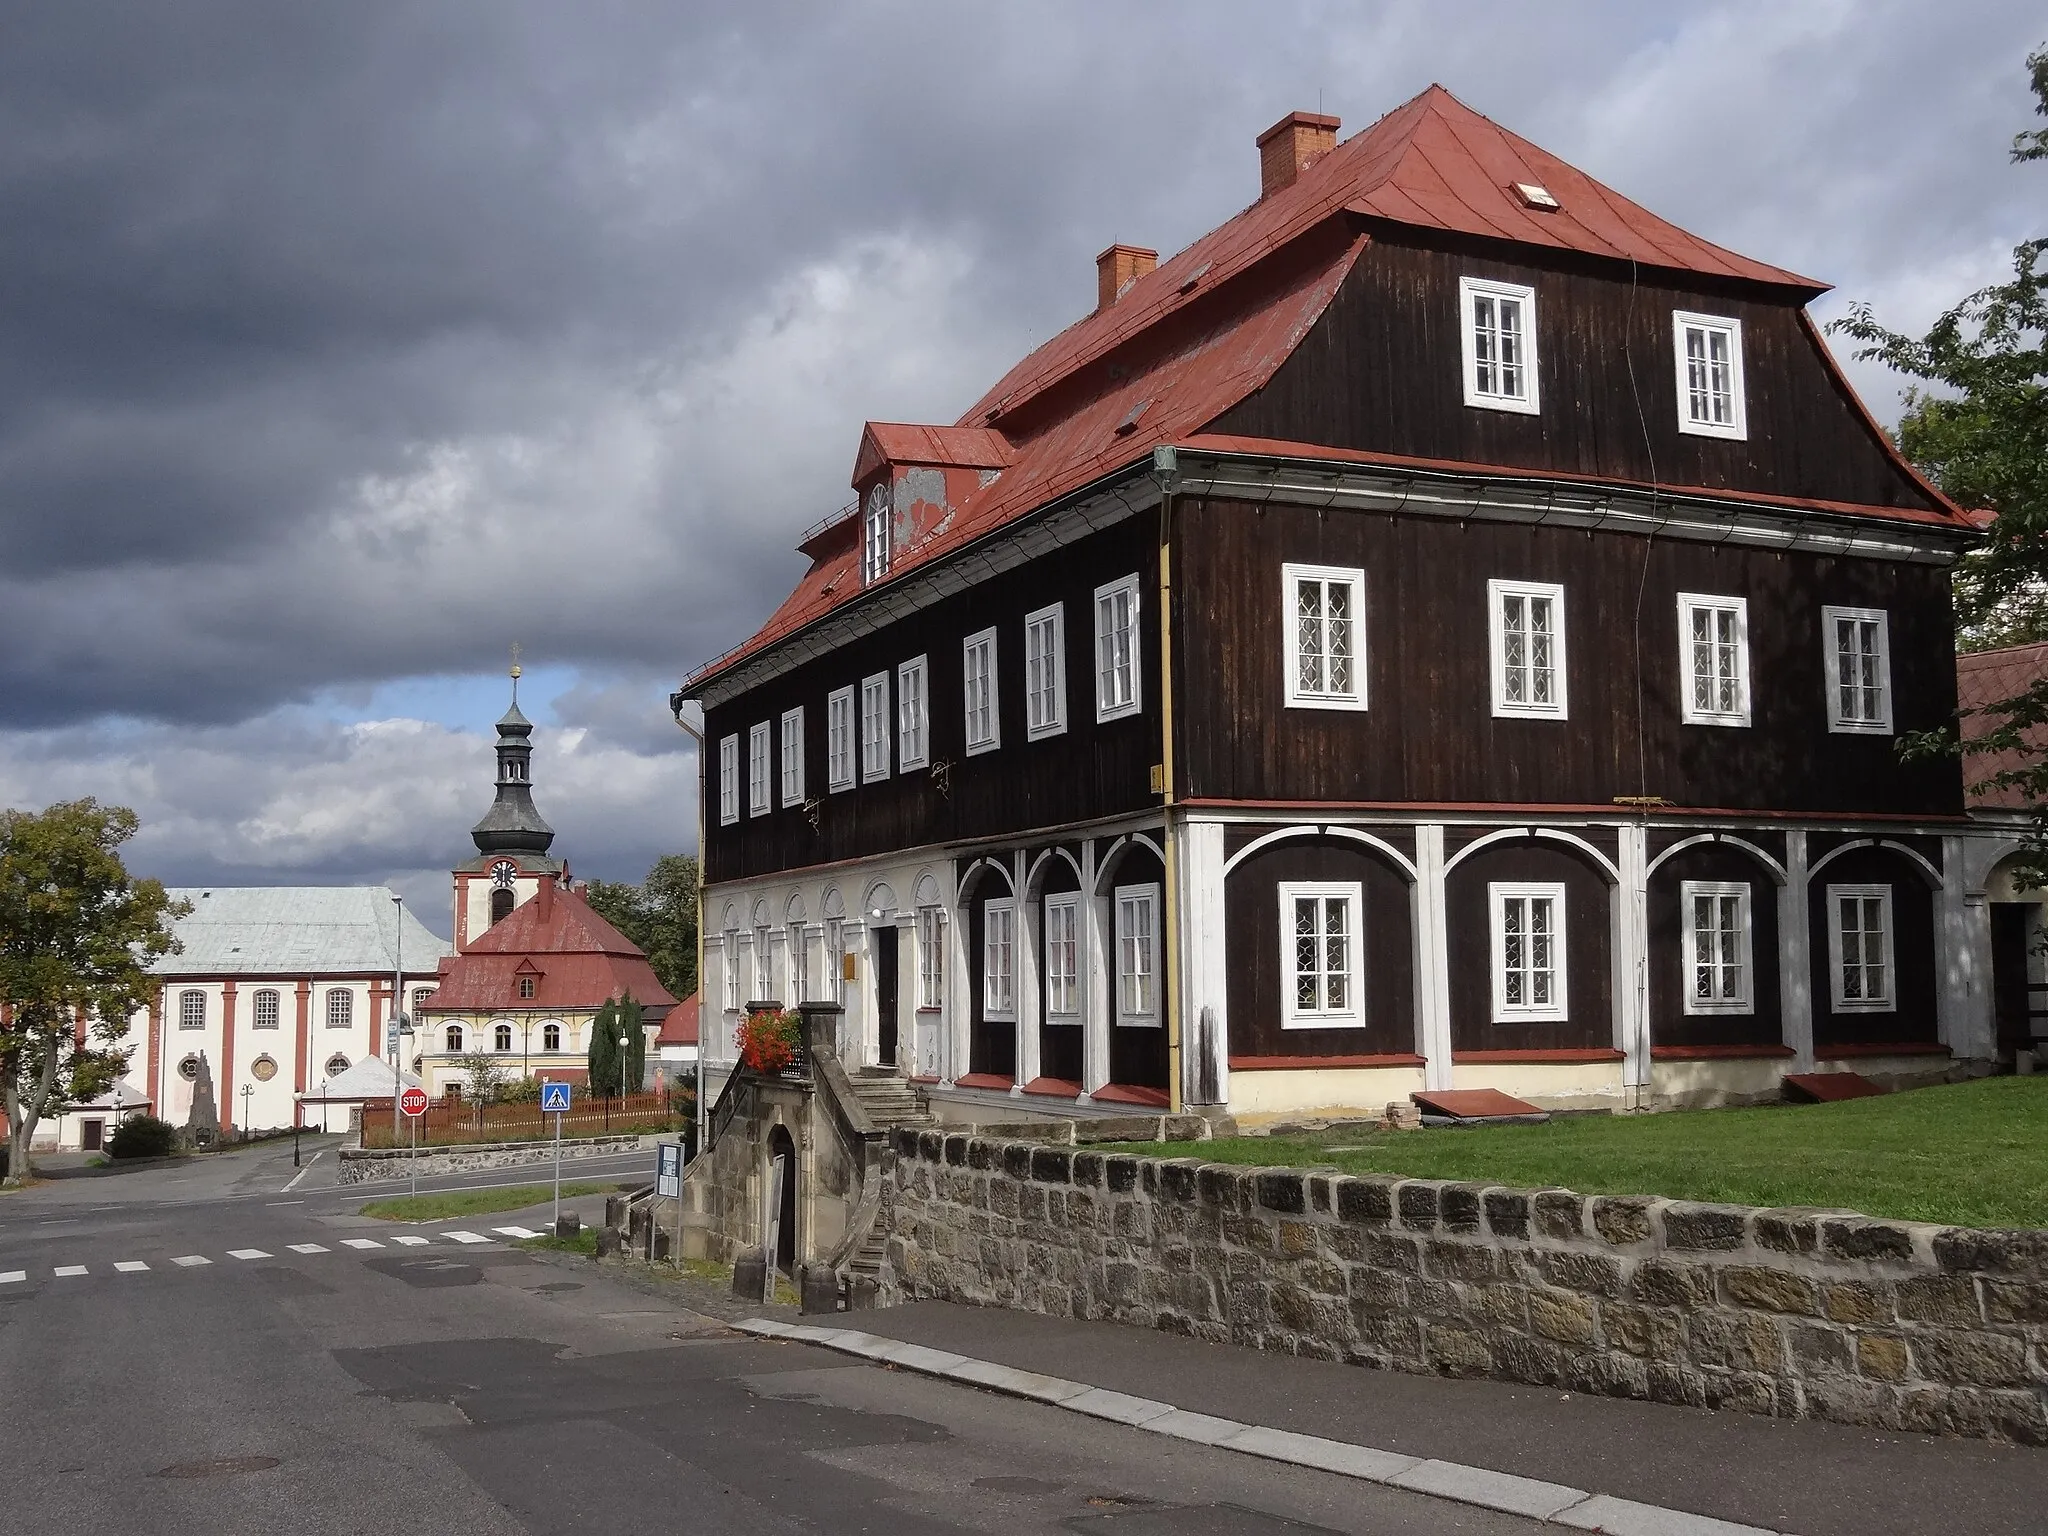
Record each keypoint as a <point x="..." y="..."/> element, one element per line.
<point x="248" y="1092"/>
<point x="397" y="996"/>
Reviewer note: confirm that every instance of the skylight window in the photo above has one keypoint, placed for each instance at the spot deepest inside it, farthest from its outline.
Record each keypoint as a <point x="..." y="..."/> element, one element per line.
<point x="1537" y="196"/>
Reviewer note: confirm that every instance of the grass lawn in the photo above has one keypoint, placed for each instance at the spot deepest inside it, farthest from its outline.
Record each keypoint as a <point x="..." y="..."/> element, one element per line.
<point x="1971" y="1154"/>
<point x="477" y="1202"/>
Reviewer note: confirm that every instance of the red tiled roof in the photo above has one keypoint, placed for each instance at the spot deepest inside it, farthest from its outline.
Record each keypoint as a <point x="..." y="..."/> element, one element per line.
<point x="680" y="1027"/>
<point x="1982" y="679"/>
<point x="581" y="961"/>
<point x="1210" y="327"/>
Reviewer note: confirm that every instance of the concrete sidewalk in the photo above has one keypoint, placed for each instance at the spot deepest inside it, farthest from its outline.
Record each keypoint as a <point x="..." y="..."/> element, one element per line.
<point x="1813" y="1478"/>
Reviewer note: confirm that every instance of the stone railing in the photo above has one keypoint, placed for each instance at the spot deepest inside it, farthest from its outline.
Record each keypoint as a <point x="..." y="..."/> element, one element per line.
<point x="364" y="1165"/>
<point x="1792" y="1313"/>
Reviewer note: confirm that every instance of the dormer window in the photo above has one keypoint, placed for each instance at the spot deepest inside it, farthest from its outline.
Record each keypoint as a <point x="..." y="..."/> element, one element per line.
<point x="874" y="539"/>
<point x="1709" y="360"/>
<point x="1498" y="332"/>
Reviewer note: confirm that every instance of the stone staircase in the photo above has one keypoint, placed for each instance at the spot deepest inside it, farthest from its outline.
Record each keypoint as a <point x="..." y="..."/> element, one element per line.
<point x="889" y="1101"/>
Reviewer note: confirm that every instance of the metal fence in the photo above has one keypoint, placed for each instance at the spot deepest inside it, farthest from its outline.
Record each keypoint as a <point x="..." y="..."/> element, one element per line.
<point x="454" y="1122"/>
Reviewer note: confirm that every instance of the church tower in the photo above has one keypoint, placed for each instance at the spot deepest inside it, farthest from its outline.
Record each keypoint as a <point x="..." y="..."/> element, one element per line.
<point x="512" y="840"/>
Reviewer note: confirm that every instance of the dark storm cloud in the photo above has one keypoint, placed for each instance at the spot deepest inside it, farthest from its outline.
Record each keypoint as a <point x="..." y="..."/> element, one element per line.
<point x="342" y="343"/>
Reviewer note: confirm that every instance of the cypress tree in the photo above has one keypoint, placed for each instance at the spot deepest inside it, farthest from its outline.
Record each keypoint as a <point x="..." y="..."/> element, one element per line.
<point x="604" y="1050"/>
<point x="633" y="1069"/>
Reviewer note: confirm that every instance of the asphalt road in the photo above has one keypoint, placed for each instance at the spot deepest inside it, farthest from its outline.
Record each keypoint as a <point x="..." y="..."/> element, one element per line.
<point x="463" y="1384"/>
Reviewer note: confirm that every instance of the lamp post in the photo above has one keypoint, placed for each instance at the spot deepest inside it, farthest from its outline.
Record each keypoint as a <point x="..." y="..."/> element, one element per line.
<point x="696" y="735"/>
<point x="248" y="1092"/>
<point x="397" y="992"/>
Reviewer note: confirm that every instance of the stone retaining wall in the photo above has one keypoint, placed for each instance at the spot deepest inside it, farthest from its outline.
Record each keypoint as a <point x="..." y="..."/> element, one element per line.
<point x="365" y="1165"/>
<point x="1785" y="1312"/>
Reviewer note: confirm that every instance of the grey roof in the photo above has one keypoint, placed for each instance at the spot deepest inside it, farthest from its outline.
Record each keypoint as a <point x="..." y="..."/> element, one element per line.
<point x="369" y="1078"/>
<point x="285" y="930"/>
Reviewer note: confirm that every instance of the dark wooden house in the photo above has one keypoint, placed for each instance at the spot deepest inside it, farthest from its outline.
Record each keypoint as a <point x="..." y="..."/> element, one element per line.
<point x="1446" y="627"/>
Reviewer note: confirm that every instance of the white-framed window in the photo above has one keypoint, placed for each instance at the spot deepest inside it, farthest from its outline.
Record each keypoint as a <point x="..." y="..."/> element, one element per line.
<point x="1497" y="330"/>
<point x="1716" y="919"/>
<point x="874" y="535"/>
<point x="1859" y="669"/>
<point x="835" y="960"/>
<point x="1137" y="955"/>
<point x="1063" y="956"/>
<point x="501" y="1038"/>
<point x="1325" y="608"/>
<point x="793" y="756"/>
<point x="1118" y="683"/>
<point x="874" y="727"/>
<point x="799" y="963"/>
<point x="839" y="739"/>
<point x="999" y="959"/>
<point x="551" y="1037"/>
<point x="1713" y="642"/>
<point x="913" y="740"/>
<point x="1045" y="672"/>
<point x="192" y="1010"/>
<point x="1526" y="619"/>
<point x="978" y="687"/>
<point x="1319" y="947"/>
<point x="264" y="1011"/>
<point x="1707" y="350"/>
<point x="1860" y="948"/>
<point x="451" y="1041"/>
<point x="341" y="1008"/>
<point x="764" y="967"/>
<point x="728" y="780"/>
<point x="931" y="957"/>
<point x="757" y="769"/>
<point x="729" y="953"/>
<point x="1528" y="952"/>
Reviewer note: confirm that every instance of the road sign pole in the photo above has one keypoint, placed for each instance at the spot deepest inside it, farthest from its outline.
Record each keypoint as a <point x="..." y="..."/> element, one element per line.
<point x="413" y="1162"/>
<point x="558" y="1171"/>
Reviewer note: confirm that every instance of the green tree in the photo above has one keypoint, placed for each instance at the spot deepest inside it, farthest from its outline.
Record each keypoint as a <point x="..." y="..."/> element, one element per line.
<point x="483" y="1072"/>
<point x="659" y="915"/>
<point x="603" y="1060"/>
<point x="1979" y="430"/>
<point x="633" y="1067"/>
<point x="77" y="936"/>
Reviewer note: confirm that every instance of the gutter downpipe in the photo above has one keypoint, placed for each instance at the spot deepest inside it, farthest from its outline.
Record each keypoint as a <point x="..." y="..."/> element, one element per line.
<point x="1166" y="471"/>
<point x="676" y="705"/>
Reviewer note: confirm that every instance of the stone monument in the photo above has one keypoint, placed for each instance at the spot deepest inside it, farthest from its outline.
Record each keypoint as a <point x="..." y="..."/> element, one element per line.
<point x="202" y="1126"/>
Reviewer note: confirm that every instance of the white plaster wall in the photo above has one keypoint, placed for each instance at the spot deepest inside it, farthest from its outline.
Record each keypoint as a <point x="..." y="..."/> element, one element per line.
<point x="1348" y="1092"/>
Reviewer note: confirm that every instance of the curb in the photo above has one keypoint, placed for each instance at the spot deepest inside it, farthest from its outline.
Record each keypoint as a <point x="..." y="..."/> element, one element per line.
<point x="1552" y="1503"/>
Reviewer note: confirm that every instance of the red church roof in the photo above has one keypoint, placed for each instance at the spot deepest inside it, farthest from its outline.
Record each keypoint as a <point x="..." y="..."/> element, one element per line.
<point x="577" y="960"/>
<point x="1984" y="678"/>
<point x="1210" y="326"/>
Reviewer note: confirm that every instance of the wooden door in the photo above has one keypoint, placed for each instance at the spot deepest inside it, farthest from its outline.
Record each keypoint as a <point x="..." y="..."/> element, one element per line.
<point x="887" y="953"/>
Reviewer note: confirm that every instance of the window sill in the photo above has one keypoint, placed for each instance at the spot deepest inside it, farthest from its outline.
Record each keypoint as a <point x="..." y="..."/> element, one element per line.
<point x="1734" y="722"/>
<point x="989" y="1080"/>
<point x="1322" y="1021"/>
<point x="1342" y="705"/>
<point x="1052" y="1088"/>
<point x="1859" y="728"/>
<point x="1045" y="732"/>
<point x="1125" y="1093"/>
<point x="1709" y="429"/>
<point x="1121" y="712"/>
<point x="1511" y="712"/>
<point x="1504" y="403"/>
<point x="986" y="746"/>
<point x="1742" y="1010"/>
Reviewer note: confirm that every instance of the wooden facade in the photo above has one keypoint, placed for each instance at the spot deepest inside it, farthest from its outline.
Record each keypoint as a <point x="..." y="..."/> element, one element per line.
<point x="1311" y="407"/>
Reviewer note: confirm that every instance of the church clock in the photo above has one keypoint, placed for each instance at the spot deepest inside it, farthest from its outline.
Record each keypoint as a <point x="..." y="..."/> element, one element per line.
<point x="503" y="873"/>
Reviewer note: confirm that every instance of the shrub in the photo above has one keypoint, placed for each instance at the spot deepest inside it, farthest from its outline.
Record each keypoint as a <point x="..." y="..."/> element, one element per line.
<point x="143" y="1136"/>
<point x="768" y="1041"/>
<point x="521" y="1090"/>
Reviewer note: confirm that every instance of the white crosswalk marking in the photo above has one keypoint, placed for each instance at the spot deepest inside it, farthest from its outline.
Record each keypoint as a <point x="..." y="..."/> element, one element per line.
<point x="306" y="1248"/>
<point x="13" y="1277"/>
<point x="130" y="1266"/>
<point x="410" y="1242"/>
<point x="465" y="1237"/>
<point x="66" y="1271"/>
<point x="516" y="1231"/>
<point x="191" y="1261"/>
<point x="360" y="1242"/>
<point x="247" y="1253"/>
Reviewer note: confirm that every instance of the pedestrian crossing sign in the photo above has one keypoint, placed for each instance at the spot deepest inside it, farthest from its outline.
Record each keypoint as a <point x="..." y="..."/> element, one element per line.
<point x="554" y="1098"/>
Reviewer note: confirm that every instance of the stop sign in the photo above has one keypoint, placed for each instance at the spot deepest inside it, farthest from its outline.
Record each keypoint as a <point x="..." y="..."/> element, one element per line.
<point x="413" y="1101"/>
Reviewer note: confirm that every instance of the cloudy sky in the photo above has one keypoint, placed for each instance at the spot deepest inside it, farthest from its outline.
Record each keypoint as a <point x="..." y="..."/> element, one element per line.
<point x="345" y="345"/>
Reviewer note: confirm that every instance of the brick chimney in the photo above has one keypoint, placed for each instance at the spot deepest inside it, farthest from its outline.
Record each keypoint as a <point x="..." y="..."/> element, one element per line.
<point x="544" y="898"/>
<point x="1117" y="268"/>
<point x="1291" y="146"/>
